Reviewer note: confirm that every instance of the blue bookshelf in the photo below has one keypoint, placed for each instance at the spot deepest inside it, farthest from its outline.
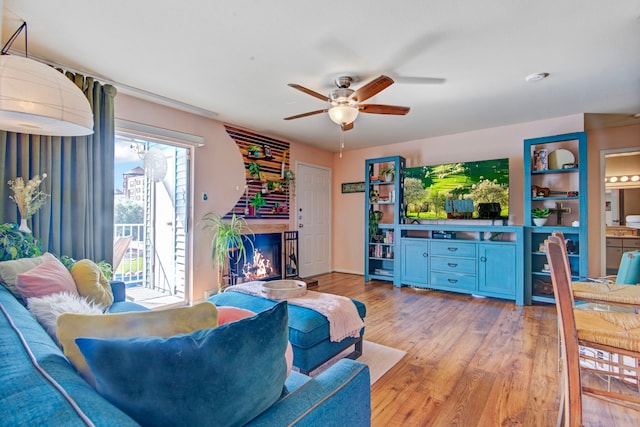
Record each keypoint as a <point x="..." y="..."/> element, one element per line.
<point x="562" y="183"/>
<point x="385" y="196"/>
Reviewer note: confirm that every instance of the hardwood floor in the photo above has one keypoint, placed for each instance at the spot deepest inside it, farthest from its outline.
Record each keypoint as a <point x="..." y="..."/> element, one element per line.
<point x="470" y="361"/>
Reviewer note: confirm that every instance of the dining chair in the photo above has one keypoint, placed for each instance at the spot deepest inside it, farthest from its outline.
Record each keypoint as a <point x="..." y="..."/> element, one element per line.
<point x="624" y="292"/>
<point x="613" y="332"/>
<point x="120" y="247"/>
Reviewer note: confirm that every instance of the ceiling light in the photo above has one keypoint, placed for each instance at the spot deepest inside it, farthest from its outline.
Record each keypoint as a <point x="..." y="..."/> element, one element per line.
<point x="343" y="114"/>
<point x="37" y="99"/>
<point x="536" y="77"/>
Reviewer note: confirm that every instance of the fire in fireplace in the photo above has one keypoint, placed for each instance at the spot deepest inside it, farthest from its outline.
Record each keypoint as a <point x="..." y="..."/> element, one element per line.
<point x="264" y="263"/>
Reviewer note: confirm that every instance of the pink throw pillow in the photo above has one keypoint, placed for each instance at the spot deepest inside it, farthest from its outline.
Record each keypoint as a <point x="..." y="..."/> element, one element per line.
<point x="50" y="277"/>
<point x="232" y="314"/>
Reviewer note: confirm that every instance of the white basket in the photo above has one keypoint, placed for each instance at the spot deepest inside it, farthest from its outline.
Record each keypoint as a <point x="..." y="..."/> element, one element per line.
<point x="283" y="289"/>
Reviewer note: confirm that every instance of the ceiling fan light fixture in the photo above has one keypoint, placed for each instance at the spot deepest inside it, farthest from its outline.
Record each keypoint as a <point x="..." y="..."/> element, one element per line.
<point x="343" y="114"/>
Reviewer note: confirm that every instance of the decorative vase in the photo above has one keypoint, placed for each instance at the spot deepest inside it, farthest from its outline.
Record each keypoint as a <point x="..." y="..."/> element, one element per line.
<point x="539" y="222"/>
<point x="23" y="226"/>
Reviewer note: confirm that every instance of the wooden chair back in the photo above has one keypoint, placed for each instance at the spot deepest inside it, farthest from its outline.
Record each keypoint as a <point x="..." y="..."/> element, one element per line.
<point x="120" y="247"/>
<point x="571" y="384"/>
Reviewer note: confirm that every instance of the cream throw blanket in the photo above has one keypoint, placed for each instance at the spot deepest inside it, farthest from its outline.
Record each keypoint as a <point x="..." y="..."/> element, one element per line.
<point x="341" y="312"/>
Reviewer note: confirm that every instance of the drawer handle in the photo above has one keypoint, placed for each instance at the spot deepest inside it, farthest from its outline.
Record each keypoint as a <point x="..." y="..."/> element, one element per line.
<point x="453" y="280"/>
<point x="483" y="259"/>
<point x="452" y="249"/>
<point x="452" y="264"/>
<point x="424" y="254"/>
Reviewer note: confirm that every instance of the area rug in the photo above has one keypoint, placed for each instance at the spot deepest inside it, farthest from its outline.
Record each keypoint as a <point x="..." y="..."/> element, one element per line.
<point x="378" y="357"/>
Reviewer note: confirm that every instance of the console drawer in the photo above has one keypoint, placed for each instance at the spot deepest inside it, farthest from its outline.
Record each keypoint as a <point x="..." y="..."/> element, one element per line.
<point x="454" y="265"/>
<point x="451" y="280"/>
<point x="456" y="249"/>
<point x="612" y="241"/>
<point x="631" y="244"/>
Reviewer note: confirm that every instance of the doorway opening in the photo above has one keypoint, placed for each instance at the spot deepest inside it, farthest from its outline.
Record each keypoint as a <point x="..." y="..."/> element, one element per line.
<point x="621" y="218"/>
<point x="150" y="219"/>
<point x="313" y="218"/>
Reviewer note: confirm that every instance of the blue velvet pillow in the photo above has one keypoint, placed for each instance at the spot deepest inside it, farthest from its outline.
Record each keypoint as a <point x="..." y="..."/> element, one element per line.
<point x="220" y="376"/>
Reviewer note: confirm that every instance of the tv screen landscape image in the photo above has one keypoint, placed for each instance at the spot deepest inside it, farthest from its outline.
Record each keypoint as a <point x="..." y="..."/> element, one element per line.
<point x="454" y="190"/>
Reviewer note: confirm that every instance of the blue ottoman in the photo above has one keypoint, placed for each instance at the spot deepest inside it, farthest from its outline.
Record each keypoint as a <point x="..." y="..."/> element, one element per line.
<point x="308" y="329"/>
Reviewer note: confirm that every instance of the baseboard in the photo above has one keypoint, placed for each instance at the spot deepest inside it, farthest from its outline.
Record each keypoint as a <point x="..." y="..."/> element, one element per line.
<point x="357" y="273"/>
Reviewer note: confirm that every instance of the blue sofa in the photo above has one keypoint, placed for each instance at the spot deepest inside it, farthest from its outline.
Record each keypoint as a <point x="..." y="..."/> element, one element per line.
<point x="40" y="387"/>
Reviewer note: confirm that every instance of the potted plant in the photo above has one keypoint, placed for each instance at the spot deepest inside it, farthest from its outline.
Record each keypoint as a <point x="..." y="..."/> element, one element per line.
<point x="28" y="198"/>
<point x="15" y="244"/>
<point x="257" y="202"/>
<point x="255" y="170"/>
<point x="374" y="219"/>
<point x="540" y="216"/>
<point x="254" y="150"/>
<point x="387" y="173"/>
<point x="226" y="237"/>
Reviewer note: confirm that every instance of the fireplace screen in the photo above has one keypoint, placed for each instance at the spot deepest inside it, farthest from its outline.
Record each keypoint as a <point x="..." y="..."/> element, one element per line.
<point x="263" y="263"/>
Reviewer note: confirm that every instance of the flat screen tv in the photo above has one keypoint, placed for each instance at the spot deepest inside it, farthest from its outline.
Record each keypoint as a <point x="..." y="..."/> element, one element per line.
<point x="456" y="190"/>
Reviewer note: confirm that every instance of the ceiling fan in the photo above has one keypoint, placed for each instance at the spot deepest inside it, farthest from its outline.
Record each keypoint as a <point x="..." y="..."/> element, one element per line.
<point x="345" y="103"/>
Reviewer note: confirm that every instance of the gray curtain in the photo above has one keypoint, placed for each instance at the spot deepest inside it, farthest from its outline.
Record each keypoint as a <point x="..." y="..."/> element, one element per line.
<point x="77" y="220"/>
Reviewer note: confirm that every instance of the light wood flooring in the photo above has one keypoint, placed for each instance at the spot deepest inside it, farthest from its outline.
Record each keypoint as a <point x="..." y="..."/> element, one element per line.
<point x="470" y="361"/>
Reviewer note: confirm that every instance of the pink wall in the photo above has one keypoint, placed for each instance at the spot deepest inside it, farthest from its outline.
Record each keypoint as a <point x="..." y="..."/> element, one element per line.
<point x="599" y="140"/>
<point x="505" y="141"/>
<point x="218" y="170"/>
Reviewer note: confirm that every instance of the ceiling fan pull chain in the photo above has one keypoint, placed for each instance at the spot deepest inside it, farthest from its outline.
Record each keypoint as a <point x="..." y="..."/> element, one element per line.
<point x="341" y="142"/>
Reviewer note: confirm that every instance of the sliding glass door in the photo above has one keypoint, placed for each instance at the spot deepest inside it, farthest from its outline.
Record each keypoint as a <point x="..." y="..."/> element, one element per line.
<point x="151" y="217"/>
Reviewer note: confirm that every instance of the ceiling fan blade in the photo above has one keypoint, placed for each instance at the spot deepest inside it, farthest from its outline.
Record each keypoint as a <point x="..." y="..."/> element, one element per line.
<point x="346" y="127"/>
<point x="383" y="109"/>
<point x="310" y="113"/>
<point x="420" y="80"/>
<point x="372" y="88"/>
<point x="309" y="92"/>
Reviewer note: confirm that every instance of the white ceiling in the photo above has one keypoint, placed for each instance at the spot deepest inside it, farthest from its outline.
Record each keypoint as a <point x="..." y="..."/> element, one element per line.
<point x="234" y="58"/>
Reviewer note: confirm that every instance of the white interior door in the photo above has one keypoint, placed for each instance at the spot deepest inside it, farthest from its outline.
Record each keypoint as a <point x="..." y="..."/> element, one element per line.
<point x="313" y="201"/>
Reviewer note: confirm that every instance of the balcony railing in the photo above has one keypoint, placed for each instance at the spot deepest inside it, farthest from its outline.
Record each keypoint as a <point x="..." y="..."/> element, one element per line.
<point x="132" y="266"/>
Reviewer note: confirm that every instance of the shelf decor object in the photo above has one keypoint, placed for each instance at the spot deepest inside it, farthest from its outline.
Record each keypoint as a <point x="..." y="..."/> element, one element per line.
<point x="561" y="189"/>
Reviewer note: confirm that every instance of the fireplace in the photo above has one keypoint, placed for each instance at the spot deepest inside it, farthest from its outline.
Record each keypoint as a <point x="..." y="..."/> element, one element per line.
<point x="264" y="262"/>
